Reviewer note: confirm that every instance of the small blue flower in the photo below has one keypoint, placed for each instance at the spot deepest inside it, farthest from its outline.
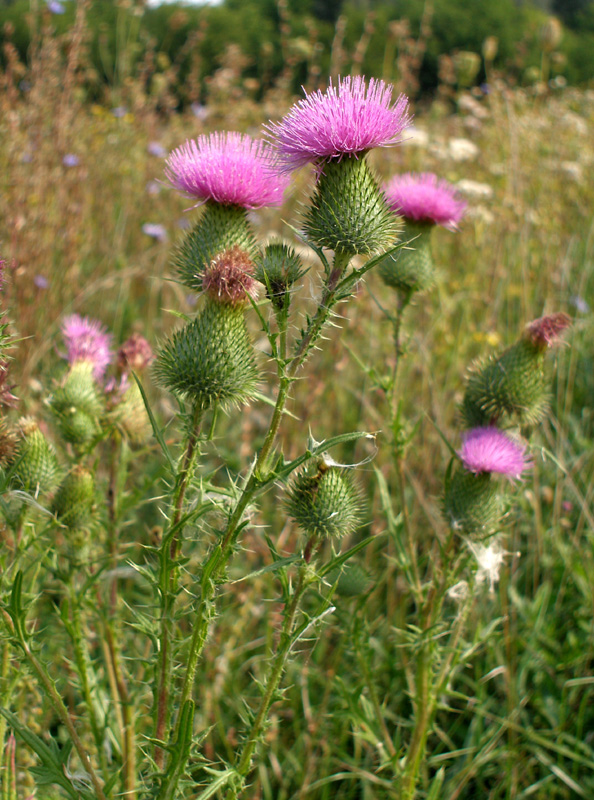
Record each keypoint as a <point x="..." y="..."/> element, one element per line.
<point x="71" y="160"/>
<point x="155" y="231"/>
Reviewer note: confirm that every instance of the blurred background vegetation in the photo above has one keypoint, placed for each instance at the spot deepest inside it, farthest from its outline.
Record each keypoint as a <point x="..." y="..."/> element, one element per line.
<point x="302" y="40"/>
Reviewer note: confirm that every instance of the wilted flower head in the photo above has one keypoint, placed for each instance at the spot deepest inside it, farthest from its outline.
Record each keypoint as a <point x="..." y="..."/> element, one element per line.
<point x="344" y="120"/>
<point x="7" y="398"/>
<point x="135" y="354"/>
<point x="425" y="198"/>
<point x="546" y="331"/>
<point x="229" y="168"/>
<point x="87" y="340"/>
<point x="229" y="277"/>
<point x="491" y="450"/>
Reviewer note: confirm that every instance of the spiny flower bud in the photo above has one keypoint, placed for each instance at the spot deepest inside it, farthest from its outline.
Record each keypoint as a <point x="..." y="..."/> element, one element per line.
<point x="351" y="581"/>
<point x="513" y="384"/>
<point x="73" y="503"/>
<point x="36" y="465"/>
<point x="472" y="503"/>
<point x="278" y="268"/>
<point x="324" y="501"/>
<point x="228" y="277"/>
<point x="220" y="228"/>
<point x="348" y="212"/>
<point x="211" y="359"/>
<point x="78" y="404"/>
<point x="411" y="268"/>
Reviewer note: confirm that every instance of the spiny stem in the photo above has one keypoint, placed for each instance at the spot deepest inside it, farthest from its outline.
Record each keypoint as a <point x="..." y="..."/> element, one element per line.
<point x="277" y="667"/>
<point x="168" y="582"/>
<point x="81" y="660"/>
<point x="59" y="707"/>
<point x="221" y="556"/>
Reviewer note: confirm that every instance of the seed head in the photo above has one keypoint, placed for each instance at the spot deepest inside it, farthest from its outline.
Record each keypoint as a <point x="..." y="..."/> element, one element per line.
<point x="228" y="278"/>
<point x="546" y="331"/>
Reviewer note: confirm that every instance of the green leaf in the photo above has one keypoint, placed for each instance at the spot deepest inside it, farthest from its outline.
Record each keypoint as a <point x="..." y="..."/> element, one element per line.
<point x="341" y="559"/>
<point x="155" y="427"/>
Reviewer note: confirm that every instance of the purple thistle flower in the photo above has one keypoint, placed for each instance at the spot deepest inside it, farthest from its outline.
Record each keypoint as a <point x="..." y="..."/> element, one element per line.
<point x="55" y="7"/>
<point x="156" y="149"/>
<point x="491" y="450"/>
<point x="345" y="120"/>
<point x="155" y="230"/>
<point x="425" y="198"/>
<point x="71" y="160"/>
<point x="87" y="340"/>
<point x="229" y="168"/>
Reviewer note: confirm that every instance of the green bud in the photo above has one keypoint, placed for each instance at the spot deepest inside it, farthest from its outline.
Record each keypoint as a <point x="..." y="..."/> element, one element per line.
<point x="511" y="385"/>
<point x="78" y="405"/>
<point x="220" y="228"/>
<point x="351" y="581"/>
<point x="472" y="504"/>
<point x="278" y="268"/>
<point x="411" y="268"/>
<point x="211" y="359"/>
<point x="324" y="501"/>
<point x="37" y="470"/>
<point x="73" y="503"/>
<point x="348" y="212"/>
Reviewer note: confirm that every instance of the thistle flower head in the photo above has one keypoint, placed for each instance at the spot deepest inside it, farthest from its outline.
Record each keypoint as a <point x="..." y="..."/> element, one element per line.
<point x="425" y="198"/>
<point x="346" y="119"/>
<point x="546" y="331"/>
<point x="87" y="340"/>
<point x="135" y="354"/>
<point x="491" y="450"/>
<point x="228" y="278"/>
<point x="229" y="168"/>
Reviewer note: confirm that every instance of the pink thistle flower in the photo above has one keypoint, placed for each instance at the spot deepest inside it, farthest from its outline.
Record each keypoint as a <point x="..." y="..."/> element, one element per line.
<point x="546" y="331"/>
<point x="229" y="168"/>
<point x="135" y="354"/>
<point x="491" y="450"/>
<point x="87" y="340"/>
<point x="347" y="119"/>
<point x="425" y="198"/>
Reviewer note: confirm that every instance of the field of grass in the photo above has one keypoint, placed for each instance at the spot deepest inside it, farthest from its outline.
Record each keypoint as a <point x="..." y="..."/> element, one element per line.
<point x="91" y="224"/>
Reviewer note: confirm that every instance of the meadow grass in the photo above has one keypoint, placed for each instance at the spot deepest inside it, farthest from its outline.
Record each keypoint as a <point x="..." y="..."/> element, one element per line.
<point x="514" y="718"/>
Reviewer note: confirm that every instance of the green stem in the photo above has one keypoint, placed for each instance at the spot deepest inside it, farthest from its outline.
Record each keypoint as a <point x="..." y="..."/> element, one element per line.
<point x="129" y="742"/>
<point x="80" y="657"/>
<point x="59" y="707"/>
<point x="244" y="759"/>
<point x="168" y="584"/>
<point x="4" y="696"/>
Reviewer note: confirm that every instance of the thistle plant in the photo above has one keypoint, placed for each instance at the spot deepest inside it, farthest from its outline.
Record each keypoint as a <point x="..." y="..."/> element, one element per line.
<point x="126" y="532"/>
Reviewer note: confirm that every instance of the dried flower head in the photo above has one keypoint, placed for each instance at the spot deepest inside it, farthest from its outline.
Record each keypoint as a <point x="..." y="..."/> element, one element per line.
<point x="346" y="119"/>
<point x="546" y="331"/>
<point x="490" y="558"/>
<point x="7" y="398"/>
<point x="491" y="450"/>
<point x="135" y="354"/>
<point x="87" y="340"/>
<point x="425" y="198"/>
<point x="229" y="168"/>
<point x="229" y="277"/>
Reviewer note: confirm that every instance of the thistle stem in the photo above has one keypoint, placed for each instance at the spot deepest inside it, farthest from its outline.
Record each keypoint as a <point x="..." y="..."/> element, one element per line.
<point x="168" y="583"/>
<point x="221" y="555"/>
<point x="58" y="705"/>
<point x="244" y="760"/>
